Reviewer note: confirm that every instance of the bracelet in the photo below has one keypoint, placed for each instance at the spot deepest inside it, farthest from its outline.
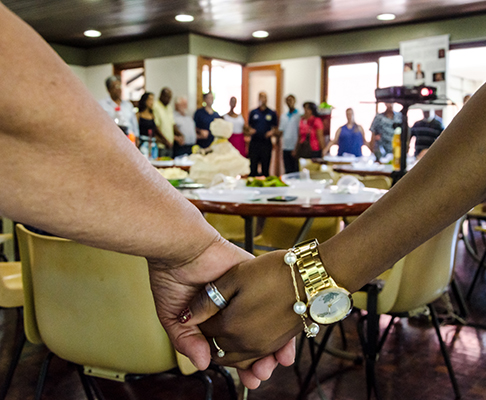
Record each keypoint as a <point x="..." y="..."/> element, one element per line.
<point x="300" y="307"/>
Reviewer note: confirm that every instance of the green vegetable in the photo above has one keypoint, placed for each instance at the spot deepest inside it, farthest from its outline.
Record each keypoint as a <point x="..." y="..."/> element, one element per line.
<point x="270" y="181"/>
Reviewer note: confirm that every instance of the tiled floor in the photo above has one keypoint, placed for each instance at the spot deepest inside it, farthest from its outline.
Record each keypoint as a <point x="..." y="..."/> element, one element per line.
<point x="410" y="365"/>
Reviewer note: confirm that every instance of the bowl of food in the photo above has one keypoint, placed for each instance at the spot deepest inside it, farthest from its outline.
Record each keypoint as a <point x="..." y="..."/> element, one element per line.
<point x="174" y="175"/>
<point x="270" y="185"/>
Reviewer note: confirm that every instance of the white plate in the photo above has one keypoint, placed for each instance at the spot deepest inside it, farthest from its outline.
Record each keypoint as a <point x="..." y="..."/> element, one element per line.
<point x="365" y="195"/>
<point x="341" y="159"/>
<point x="162" y="163"/>
<point x="233" y="196"/>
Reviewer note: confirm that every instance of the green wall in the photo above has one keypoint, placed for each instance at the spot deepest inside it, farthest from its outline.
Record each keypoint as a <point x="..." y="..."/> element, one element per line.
<point x="464" y="29"/>
<point x="369" y="40"/>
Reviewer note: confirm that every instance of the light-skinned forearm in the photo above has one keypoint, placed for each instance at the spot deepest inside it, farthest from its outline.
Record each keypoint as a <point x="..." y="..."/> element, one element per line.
<point x="66" y="167"/>
<point x="444" y="185"/>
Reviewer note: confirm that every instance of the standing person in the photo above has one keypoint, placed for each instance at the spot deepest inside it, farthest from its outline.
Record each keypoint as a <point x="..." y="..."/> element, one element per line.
<point x="237" y="139"/>
<point x="262" y="121"/>
<point x="426" y="132"/>
<point x="146" y="122"/>
<point x="203" y="118"/>
<point x="311" y="133"/>
<point x="289" y="129"/>
<point x="164" y="119"/>
<point x="382" y="131"/>
<point x="119" y="110"/>
<point x="185" y="126"/>
<point x="350" y="137"/>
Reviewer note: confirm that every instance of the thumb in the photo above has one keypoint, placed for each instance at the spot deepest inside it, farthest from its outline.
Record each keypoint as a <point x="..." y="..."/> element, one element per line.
<point x="204" y="306"/>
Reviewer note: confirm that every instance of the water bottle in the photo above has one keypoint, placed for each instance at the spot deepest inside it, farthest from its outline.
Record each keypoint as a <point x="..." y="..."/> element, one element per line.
<point x="397" y="147"/>
<point x="154" y="150"/>
<point x="144" y="148"/>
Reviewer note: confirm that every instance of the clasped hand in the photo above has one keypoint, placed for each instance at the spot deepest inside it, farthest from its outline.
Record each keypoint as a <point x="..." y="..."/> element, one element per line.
<point x="259" y="320"/>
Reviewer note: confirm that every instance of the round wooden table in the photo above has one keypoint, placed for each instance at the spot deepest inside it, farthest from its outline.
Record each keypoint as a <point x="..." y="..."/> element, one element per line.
<point x="307" y="207"/>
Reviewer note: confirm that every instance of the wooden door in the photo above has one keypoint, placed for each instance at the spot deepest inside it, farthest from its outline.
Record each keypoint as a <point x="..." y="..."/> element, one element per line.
<point x="264" y="78"/>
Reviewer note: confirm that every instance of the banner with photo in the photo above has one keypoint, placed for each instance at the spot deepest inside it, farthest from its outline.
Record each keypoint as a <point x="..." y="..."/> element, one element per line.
<point x="425" y="62"/>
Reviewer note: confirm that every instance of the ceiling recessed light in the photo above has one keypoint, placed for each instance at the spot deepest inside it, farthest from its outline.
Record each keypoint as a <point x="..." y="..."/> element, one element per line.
<point x="386" y="17"/>
<point x="184" y="18"/>
<point x="260" y="34"/>
<point x="92" y="33"/>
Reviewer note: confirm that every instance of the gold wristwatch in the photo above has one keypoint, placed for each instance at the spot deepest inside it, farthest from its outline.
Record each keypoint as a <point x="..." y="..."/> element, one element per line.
<point x="326" y="301"/>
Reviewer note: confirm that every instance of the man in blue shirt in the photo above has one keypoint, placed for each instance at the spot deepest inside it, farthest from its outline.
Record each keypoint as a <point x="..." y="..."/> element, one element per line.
<point x="289" y="129"/>
<point x="263" y="123"/>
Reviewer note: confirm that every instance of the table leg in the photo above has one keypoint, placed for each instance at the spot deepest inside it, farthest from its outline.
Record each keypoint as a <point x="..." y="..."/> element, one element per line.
<point x="248" y="234"/>
<point x="304" y="230"/>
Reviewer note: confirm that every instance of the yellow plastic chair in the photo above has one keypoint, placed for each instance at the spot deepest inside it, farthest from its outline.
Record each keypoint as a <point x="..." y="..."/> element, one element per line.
<point x="413" y="283"/>
<point x="480" y="269"/>
<point x="281" y="233"/>
<point x="231" y="227"/>
<point x="7" y="240"/>
<point x="318" y="171"/>
<point x="474" y="218"/>
<point x="376" y="181"/>
<point x="95" y="308"/>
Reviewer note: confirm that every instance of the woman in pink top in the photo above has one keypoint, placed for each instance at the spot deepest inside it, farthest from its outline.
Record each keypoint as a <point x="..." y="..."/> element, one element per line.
<point x="312" y="129"/>
<point x="237" y="139"/>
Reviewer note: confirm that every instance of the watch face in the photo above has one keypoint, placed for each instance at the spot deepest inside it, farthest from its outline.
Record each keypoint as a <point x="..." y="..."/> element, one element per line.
<point x="330" y="305"/>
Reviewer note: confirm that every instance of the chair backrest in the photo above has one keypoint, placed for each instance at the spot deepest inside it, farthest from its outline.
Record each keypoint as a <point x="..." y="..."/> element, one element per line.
<point x="427" y="271"/>
<point x="6" y="239"/>
<point x="282" y="232"/>
<point x="419" y="278"/>
<point x="375" y="181"/>
<point x="92" y="307"/>
<point x="231" y="227"/>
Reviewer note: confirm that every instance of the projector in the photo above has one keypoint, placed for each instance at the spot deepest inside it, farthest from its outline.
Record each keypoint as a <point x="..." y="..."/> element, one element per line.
<point x="409" y="93"/>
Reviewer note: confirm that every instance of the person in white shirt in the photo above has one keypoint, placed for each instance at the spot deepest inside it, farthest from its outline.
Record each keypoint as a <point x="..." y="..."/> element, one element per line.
<point x="121" y="111"/>
<point x="185" y="127"/>
<point x="289" y="128"/>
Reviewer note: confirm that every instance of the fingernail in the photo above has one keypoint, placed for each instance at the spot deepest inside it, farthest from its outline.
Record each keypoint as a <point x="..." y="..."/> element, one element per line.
<point x="184" y="316"/>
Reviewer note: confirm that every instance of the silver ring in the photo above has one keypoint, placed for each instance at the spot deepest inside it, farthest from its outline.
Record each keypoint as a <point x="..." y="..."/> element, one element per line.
<point x="221" y="352"/>
<point x="215" y="295"/>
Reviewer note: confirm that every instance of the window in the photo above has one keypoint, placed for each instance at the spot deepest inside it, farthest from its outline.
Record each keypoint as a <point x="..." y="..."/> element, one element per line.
<point x="226" y="83"/>
<point x="352" y="84"/>
<point x="223" y="79"/>
<point x="133" y="80"/>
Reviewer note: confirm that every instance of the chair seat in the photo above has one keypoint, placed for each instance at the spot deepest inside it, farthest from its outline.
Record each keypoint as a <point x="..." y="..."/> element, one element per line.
<point x="11" y="289"/>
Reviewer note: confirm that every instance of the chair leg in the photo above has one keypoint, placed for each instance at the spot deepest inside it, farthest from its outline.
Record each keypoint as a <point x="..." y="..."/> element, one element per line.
<point x="456" y="292"/>
<point x="315" y="360"/>
<point x="298" y="355"/>
<point x="20" y="341"/>
<point x="343" y="335"/>
<point x="84" y="382"/>
<point x="42" y="376"/>
<point x="476" y="276"/>
<point x="385" y="335"/>
<point x="96" y="389"/>
<point x="470" y="240"/>
<point x="227" y="376"/>
<point x="444" y="351"/>
<point x="208" y="383"/>
<point x="369" y="342"/>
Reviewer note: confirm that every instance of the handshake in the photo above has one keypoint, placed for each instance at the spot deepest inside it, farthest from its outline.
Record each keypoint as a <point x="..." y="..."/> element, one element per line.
<point x="239" y="310"/>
